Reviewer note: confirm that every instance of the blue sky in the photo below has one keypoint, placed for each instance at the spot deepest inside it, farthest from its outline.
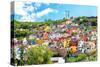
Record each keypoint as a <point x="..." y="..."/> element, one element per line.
<point x="30" y="11"/>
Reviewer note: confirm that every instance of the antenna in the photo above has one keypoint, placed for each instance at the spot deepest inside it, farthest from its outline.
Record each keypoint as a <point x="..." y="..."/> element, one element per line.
<point x="67" y="14"/>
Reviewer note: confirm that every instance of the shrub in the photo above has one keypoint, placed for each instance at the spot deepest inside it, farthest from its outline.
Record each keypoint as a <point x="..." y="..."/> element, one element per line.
<point x="81" y="57"/>
<point x="71" y="59"/>
<point x="92" y="58"/>
<point x="38" y="55"/>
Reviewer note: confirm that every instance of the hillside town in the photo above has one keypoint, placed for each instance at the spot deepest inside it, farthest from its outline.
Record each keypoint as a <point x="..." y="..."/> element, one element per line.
<point x="66" y="41"/>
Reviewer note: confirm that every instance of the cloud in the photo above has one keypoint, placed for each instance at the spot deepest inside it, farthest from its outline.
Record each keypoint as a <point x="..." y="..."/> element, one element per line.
<point x="28" y="2"/>
<point x="19" y="8"/>
<point x="27" y="11"/>
<point x="28" y="18"/>
<point x="37" y="4"/>
<point x="45" y="12"/>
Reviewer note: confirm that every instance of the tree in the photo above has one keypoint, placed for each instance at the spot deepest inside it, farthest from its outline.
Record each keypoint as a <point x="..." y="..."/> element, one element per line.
<point x="18" y="33"/>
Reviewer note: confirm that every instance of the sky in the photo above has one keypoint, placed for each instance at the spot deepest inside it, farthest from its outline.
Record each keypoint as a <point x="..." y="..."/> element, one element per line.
<point x="38" y="12"/>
